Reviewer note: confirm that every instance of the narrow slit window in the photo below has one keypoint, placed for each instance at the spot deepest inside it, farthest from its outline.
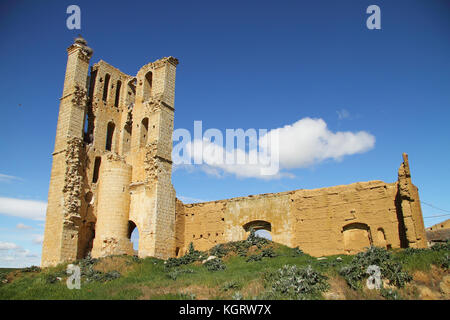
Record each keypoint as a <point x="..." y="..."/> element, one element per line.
<point x="97" y="163"/>
<point x="144" y="132"/>
<point x="110" y="135"/>
<point x="118" y="86"/>
<point x="105" y="87"/>
<point x="148" y="84"/>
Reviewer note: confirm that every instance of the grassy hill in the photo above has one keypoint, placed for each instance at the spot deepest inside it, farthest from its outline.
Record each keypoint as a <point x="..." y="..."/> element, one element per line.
<point x="251" y="269"/>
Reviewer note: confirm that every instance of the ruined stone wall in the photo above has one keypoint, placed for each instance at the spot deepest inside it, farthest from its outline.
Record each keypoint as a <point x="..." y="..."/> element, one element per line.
<point x="345" y="219"/>
<point x="335" y="220"/>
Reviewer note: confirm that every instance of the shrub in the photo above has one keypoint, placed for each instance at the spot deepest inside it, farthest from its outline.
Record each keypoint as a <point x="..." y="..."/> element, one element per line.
<point x="254" y="240"/>
<point x="240" y="247"/>
<point x="3" y="278"/>
<point x="176" y="272"/>
<point x="31" y="269"/>
<point x="254" y="257"/>
<point x="50" y="278"/>
<point x="231" y="285"/>
<point x="215" y="265"/>
<point x="191" y="257"/>
<point x="219" y="251"/>
<point x="445" y="261"/>
<point x="444" y="246"/>
<point x="391" y="270"/>
<point x="237" y="296"/>
<point x="293" y="282"/>
<point x="390" y="294"/>
<point x="268" y="253"/>
<point x="89" y="274"/>
<point x="296" y="252"/>
<point x="413" y="251"/>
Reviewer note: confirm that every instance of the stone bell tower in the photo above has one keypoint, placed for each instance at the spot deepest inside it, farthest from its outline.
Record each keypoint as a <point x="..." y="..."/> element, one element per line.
<point x="63" y="216"/>
<point x="112" y="162"/>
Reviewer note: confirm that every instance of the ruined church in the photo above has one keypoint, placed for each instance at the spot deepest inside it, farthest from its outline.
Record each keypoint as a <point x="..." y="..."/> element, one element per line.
<point x="111" y="173"/>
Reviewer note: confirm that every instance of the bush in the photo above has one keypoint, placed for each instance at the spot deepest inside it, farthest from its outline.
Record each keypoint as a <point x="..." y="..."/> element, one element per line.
<point x="176" y="272"/>
<point x="230" y="285"/>
<point x="254" y="257"/>
<point x="237" y="296"/>
<point x="413" y="251"/>
<point x="50" y="278"/>
<point x="219" y="251"/>
<point x="89" y="274"/>
<point x="444" y="246"/>
<point x="268" y="253"/>
<point x="445" y="261"/>
<point x="3" y="278"/>
<point x="390" y="294"/>
<point x="240" y="247"/>
<point x="31" y="269"/>
<point x="254" y="240"/>
<point x="391" y="270"/>
<point x="191" y="257"/>
<point x="296" y="252"/>
<point x="215" y="265"/>
<point x="293" y="282"/>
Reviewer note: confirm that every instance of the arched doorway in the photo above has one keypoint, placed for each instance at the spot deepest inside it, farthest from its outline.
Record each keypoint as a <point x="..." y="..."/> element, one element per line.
<point x="356" y="237"/>
<point x="133" y="235"/>
<point x="262" y="228"/>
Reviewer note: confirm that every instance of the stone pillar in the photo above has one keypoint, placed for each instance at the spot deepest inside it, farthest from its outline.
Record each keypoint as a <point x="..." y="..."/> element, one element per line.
<point x="410" y="207"/>
<point x="64" y="196"/>
<point x="111" y="232"/>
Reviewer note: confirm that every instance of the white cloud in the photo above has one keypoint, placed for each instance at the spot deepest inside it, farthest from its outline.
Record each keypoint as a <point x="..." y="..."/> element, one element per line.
<point x="8" y="246"/>
<point x="29" y="209"/>
<point x="309" y="141"/>
<point x="213" y="158"/>
<point x="7" y="178"/>
<point x="304" y="143"/>
<point x="190" y="200"/>
<point x="14" y="256"/>
<point x="23" y="226"/>
<point x="38" y="239"/>
<point x="343" y="114"/>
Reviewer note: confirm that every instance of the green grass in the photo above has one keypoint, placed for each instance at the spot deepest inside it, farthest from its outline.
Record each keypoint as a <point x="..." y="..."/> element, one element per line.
<point x="149" y="278"/>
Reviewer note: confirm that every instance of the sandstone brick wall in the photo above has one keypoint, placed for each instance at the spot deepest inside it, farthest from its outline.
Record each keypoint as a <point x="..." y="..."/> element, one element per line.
<point x="335" y="220"/>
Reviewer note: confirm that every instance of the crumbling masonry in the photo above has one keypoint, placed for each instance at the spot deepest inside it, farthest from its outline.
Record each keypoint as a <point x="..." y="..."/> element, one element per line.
<point x="111" y="173"/>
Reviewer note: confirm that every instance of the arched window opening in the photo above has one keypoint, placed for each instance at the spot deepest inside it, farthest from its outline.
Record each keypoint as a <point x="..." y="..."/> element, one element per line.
<point x="133" y="235"/>
<point x="118" y="86"/>
<point x="88" y="198"/>
<point x="92" y="81"/>
<point x="110" y="135"/>
<point x="263" y="234"/>
<point x="85" y="128"/>
<point x="97" y="163"/>
<point x="262" y="228"/>
<point x="381" y="237"/>
<point x="105" y="87"/>
<point x="131" y="93"/>
<point x="126" y="139"/>
<point x="356" y="237"/>
<point x="148" y="84"/>
<point x="144" y="132"/>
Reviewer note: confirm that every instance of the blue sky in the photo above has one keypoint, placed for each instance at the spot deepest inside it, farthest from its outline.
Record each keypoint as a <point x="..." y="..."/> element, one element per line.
<point x="243" y="64"/>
